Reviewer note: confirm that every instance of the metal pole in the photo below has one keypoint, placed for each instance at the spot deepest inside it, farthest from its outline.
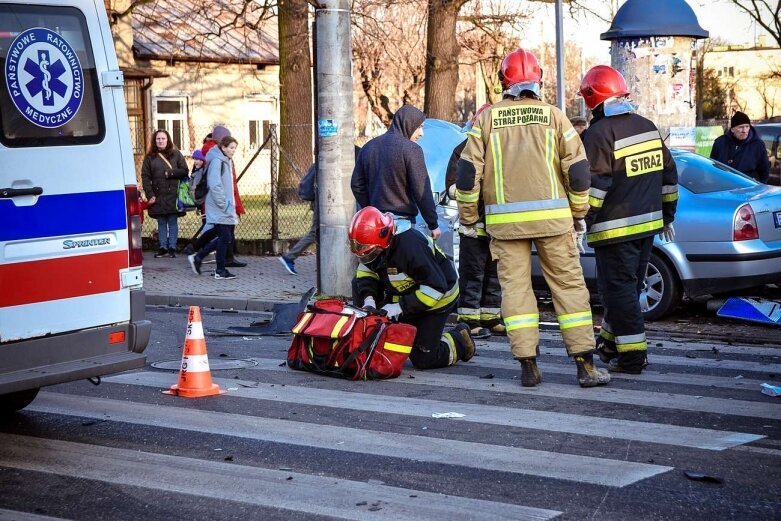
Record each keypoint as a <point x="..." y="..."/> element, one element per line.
<point x="560" y="101"/>
<point x="274" y="188"/>
<point x="317" y="208"/>
<point x="335" y="144"/>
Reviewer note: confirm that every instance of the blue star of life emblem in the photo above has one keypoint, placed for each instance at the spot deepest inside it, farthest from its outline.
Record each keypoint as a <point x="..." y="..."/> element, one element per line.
<point x="44" y="77"/>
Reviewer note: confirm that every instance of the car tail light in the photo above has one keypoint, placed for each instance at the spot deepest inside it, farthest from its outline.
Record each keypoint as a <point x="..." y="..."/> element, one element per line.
<point x="133" y="205"/>
<point x="745" y="225"/>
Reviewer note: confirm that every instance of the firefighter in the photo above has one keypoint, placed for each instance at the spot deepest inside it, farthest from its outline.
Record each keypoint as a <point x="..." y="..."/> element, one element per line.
<point x="634" y="194"/>
<point x="403" y="271"/>
<point x="480" y="295"/>
<point x="525" y="162"/>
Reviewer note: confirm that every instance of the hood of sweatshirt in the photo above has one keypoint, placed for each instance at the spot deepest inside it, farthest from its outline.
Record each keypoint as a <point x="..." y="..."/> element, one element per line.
<point x="406" y="121"/>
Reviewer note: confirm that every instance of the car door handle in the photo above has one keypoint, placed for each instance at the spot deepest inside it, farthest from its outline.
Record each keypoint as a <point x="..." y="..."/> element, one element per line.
<point x="6" y="193"/>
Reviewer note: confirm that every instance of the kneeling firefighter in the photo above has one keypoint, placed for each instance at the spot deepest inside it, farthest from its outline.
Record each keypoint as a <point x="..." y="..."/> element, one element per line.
<point x="403" y="271"/>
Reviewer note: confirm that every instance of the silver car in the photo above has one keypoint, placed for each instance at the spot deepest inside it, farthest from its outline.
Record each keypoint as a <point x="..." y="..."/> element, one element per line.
<point x="728" y="235"/>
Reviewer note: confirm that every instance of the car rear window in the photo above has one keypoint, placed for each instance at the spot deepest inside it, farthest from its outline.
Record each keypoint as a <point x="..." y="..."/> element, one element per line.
<point x="49" y="90"/>
<point x="703" y="175"/>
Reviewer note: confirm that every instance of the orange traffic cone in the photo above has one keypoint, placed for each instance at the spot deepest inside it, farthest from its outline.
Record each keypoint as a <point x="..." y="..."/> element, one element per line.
<point x="195" y="378"/>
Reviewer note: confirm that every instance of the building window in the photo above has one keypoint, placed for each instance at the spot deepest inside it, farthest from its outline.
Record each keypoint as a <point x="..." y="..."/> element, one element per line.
<point x="260" y="113"/>
<point x="135" y="115"/>
<point x="171" y="115"/>
<point x="258" y="132"/>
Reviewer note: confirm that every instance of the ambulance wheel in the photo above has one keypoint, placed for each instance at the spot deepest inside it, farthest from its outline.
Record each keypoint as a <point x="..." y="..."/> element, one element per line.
<point x="661" y="291"/>
<point x="12" y="402"/>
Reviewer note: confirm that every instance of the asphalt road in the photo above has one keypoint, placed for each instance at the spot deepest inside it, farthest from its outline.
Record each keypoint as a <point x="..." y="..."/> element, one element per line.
<point x="287" y="445"/>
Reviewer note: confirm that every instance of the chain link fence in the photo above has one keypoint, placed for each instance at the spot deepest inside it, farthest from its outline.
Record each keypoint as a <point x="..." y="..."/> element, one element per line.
<point x="267" y="219"/>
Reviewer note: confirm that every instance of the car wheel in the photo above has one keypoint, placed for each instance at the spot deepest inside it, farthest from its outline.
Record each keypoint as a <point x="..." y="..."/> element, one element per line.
<point x="661" y="292"/>
<point x="12" y="402"/>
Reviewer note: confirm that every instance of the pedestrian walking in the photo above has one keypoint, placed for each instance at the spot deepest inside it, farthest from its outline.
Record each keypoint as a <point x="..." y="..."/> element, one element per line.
<point x="162" y="169"/>
<point x="524" y="161"/>
<point x="741" y="148"/>
<point x="634" y="194"/>
<point x="390" y="172"/>
<point x="404" y="273"/>
<point x="220" y="207"/>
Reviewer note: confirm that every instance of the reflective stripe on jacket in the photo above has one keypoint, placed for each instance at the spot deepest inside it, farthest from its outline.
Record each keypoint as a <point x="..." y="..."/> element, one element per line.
<point x="634" y="183"/>
<point x="526" y="163"/>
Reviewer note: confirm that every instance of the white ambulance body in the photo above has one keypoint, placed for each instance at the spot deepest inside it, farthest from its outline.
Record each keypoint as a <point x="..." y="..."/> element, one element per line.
<point x="71" y="288"/>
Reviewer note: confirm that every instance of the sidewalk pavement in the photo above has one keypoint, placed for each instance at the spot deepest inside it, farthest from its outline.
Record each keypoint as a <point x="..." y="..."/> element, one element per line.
<point x="257" y="287"/>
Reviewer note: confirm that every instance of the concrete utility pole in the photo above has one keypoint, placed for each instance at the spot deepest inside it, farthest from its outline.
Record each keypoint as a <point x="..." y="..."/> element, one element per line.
<point x="335" y="144"/>
<point x="561" y="102"/>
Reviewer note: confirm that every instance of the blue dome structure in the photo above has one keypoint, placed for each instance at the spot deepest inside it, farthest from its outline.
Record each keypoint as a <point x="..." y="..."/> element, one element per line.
<point x="642" y="18"/>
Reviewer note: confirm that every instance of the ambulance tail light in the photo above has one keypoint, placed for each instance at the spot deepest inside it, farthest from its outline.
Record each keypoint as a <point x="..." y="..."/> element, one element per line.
<point x="133" y="205"/>
<point x="745" y="227"/>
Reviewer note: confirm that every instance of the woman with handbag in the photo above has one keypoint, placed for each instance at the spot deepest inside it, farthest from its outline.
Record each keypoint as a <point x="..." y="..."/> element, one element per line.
<point x="163" y="167"/>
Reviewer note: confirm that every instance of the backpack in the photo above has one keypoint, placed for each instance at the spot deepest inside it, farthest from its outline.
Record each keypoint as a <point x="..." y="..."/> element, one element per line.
<point x="198" y="185"/>
<point x="306" y="187"/>
<point x="334" y="339"/>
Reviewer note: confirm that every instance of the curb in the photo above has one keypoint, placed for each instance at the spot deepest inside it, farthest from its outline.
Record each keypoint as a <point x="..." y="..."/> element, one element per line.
<point x="239" y="304"/>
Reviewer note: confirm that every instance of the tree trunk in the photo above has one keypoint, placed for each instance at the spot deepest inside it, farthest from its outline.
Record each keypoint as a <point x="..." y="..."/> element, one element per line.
<point x="295" y="87"/>
<point x="442" y="59"/>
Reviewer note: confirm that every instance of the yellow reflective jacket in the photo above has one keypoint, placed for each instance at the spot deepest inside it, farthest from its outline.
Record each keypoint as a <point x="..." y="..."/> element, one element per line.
<point x="527" y="164"/>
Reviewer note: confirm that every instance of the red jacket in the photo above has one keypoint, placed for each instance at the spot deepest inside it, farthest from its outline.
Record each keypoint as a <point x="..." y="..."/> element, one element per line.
<point x="236" y="197"/>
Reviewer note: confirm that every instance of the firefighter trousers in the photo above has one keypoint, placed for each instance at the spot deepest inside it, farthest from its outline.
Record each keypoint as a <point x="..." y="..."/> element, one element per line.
<point x="432" y="347"/>
<point x="560" y="263"/>
<point x="621" y="271"/>
<point x="480" y="295"/>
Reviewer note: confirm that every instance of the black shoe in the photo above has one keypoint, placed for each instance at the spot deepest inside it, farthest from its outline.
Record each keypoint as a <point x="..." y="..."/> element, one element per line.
<point x="530" y="373"/>
<point x="225" y="275"/>
<point x="195" y="264"/>
<point x="162" y="252"/>
<point x="188" y="250"/>
<point x="233" y="263"/>
<point x="606" y="351"/>
<point x="588" y="375"/>
<point x="171" y="253"/>
<point x="616" y="366"/>
<point x="480" y="332"/>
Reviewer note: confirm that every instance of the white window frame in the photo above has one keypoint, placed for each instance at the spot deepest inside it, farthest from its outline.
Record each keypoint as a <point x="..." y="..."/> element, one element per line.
<point x="183" y="117"/>
<point x="253" y="117"/>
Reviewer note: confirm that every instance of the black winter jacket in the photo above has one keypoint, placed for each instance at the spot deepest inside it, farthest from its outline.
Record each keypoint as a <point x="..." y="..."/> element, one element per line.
<point x="413" y="272"/>
<point x="162" y="182"/>
<point x="749" y="157"/>
<point x="390" y="172"/>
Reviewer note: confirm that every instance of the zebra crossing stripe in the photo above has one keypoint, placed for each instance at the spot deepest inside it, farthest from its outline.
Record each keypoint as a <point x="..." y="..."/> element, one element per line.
<point x="15" y="515"/>
<point x="571" y="467"/>
<point x="493" y="415"/>
<point x="339" y="498"/>
<point x="726" y="382"/>
<point x="738" y="365"/>
<point x="682" y="402"/>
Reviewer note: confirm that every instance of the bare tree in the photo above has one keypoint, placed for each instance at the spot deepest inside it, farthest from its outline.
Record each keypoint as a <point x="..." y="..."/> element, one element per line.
<point x="388" y="52"/>
<point x="442" y="51"/>
<point x="295" y="93"/>
<point x="764" y="12"/>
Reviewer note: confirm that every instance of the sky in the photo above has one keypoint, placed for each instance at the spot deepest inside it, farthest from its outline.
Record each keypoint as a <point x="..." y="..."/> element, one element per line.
<point x="720" y="17"/>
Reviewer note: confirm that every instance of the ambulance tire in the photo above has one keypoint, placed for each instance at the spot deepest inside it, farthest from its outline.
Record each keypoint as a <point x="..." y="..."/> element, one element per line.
<point x="665" y="289"/>
<point x="12" y="402"/>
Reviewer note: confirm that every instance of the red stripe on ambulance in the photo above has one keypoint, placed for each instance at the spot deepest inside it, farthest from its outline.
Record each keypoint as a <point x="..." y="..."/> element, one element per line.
<point x="66" y="277"/>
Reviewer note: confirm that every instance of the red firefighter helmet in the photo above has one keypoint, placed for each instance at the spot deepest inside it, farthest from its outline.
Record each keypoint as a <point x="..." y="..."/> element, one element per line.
<point x="519" y="67"/>
<point x="600" y="83"/>
<point x="370" y="233"/>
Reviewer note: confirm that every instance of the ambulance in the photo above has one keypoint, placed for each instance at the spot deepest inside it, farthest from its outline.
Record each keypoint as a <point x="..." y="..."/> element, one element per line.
<point x="71" y="287"/>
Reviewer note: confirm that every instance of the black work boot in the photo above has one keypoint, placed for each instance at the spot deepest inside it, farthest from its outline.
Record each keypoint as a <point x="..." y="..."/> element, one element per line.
<point x="530" y="373"/>
<point x="629" y="363"/>
<point x="465" y="346"/>
<point x="606" y="350"/>
<point x="588" y="375"/>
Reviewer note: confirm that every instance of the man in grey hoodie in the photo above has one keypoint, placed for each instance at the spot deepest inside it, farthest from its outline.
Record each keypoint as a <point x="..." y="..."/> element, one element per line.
<point x="390" y="172"/>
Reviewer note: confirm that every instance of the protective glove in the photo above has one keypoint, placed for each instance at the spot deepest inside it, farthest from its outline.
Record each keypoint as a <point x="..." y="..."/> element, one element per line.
<point x="668" y="233"/>
<point x="467" y="231"/>
<point x="392" y="310"/>
<point x="580" y="232"/>
<point x="369" y="303"/>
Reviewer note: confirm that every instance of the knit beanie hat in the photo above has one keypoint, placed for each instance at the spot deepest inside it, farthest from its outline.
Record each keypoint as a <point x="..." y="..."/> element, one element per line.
<point x="197" y="154"/>
<point x="220" y="132"/>
<point x="739" y="119"/>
